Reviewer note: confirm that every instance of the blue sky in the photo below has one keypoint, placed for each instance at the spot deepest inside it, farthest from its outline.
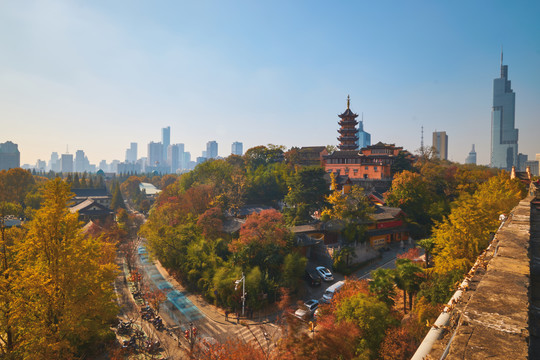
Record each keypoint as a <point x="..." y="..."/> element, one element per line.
<point x="97" y="75"/>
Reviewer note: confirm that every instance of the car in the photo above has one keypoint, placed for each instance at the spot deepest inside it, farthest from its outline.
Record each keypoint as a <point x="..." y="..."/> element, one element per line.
<point x="324" y="273"/>
<point x="307" y="309"/>
<point x="312" y="277"/>
<point x="331" y="291"/>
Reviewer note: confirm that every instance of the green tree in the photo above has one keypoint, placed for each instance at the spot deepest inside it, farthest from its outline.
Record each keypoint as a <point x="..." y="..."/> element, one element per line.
<point x="65" y="282"/>
<point x="117" y="201"/>
<point x="371" y="315"/>
<point x="383" y="285"/>
<point x="428" y="245"/>
<point x="408" y="277"/>
<point x="294" y="265"/>
<point x="307" y="192"/>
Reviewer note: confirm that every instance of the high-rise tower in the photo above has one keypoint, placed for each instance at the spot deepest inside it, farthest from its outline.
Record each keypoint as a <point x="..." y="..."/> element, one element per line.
<point x="440" y="143"/>
<point x="504" y="135"/>
<point x="347" y="133"/>
<point x="364" y="138"/>
<point x="165" y="141"/>
<point x="471" y="158"/>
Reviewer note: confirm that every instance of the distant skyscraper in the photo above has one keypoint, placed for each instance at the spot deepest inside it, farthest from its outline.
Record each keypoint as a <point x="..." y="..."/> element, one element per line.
<point x="40" y="165"/>
<point x="155" y="154"/>
<point x="80" y="163"/>
<point x="522" y="159"/>
<point x="175" y="156"/>
<point x="10" y="157"/>
<point x="471" y="158"/>
<point x="504" y="135"/>
<point x="187" y="161"/>
<point x="211" y="150"/>
<point x="364" y="138"/>
<point x="54" y="163"/>
<point x="237" y="148"/>
<point x="67" y="163"/>
<point x="440" y="143"/>
<point x="166" y="141"/>
<point x="131" y="153"/>
<point x="103" y="166"/>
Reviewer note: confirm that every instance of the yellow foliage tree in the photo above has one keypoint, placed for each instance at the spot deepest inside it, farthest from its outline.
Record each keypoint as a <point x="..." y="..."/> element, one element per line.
<point x="465" y="233"/>
<point x="64" y="285"/>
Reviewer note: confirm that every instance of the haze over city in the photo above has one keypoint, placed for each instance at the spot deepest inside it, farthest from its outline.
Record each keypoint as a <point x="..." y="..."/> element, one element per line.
<point x="97" y="76"/>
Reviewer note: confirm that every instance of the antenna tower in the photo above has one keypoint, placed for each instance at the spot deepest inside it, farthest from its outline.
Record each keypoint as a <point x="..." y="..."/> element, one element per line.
<point x="422" y="140"/>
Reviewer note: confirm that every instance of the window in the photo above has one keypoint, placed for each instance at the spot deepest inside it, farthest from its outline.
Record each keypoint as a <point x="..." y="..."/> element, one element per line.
<point x="367" y="168"/>
<point x="365" y="176"/>
<point x="375" y="168"/>
<point x="355" y="171"/>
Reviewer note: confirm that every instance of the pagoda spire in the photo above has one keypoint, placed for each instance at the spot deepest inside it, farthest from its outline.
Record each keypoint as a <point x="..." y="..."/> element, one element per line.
<point x="348" y="102"/>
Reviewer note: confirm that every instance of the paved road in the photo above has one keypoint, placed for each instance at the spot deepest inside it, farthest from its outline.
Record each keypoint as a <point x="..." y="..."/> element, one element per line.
<point x="182" y="309"/>
<point x="387" y="261"/>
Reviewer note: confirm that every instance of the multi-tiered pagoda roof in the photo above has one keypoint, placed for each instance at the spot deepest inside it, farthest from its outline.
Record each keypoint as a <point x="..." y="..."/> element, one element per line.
<point x="348" y="131"/>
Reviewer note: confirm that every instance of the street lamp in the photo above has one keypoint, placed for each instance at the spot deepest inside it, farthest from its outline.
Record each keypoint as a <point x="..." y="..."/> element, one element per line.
<point x="236" y="283"/>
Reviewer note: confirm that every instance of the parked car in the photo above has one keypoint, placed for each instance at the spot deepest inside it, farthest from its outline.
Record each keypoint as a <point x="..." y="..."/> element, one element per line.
<point x="324" y="273"/>
<point x="306" y="310"/>
<point x="312" y="277"/>
<point x="332" y="290"/>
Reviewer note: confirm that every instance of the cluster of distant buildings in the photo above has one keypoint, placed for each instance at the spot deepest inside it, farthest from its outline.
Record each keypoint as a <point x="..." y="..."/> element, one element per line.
<point x="164" y="157"/>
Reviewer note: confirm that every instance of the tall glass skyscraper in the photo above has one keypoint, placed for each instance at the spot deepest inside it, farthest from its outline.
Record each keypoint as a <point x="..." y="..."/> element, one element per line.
<point x="504" y="135"/>
<point x="364" y="138"/>
<point x="165" y="141"/>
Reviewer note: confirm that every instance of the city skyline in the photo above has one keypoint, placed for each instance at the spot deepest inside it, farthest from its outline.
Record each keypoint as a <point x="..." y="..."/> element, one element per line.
<point x="98" y="76"/>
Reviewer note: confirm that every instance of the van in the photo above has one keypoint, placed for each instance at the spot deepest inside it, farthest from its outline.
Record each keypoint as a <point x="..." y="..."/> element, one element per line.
<point x="329" y="293"/>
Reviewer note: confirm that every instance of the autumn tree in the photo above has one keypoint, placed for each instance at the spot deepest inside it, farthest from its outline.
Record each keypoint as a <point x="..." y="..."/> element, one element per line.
<point x="7" y="267"/>
<point x="353" y="209"/>
<point x="462" y="236"/>
<point x="65" y="279"/>
<point x="372" y="317"/>
<point x="15" y="184"/>
<point x="263" y="240"/>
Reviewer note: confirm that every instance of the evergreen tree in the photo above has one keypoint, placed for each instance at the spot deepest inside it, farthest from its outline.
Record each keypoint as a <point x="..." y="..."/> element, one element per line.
<point x="117" y="199"/>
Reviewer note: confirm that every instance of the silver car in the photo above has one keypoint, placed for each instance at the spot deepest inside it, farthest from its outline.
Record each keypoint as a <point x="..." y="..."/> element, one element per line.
<point x="324" y="273"/>
<point x="307" y="309"/>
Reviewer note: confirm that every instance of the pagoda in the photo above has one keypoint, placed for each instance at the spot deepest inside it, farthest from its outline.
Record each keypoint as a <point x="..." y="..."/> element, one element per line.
<point x="348" y="131"/>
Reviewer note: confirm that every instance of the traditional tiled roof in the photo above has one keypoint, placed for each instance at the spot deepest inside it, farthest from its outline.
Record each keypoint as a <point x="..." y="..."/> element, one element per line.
<point x="348" y="113"/>
<point x="341" y="154"/>
<point x="383" y="213"/>
<point x="90" y="192"/>
<point x="90" y="207"/>
<point x="317" y="149"/>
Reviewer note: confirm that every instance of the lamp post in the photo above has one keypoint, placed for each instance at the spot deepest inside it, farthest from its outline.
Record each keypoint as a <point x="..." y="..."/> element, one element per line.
<point x="243" y="281"/>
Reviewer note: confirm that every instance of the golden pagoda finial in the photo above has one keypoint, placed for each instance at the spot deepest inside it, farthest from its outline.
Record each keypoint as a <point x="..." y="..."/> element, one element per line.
<point x="348" y="101"/>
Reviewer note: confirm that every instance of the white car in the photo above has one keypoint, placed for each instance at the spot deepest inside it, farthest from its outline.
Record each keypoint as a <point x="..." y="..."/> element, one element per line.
<point x="307" y="309"/>
<point x="324" y="273"/>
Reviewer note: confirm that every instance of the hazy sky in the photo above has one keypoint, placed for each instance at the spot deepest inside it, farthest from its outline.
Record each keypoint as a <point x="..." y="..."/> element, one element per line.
<point x="97" y="75"/>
